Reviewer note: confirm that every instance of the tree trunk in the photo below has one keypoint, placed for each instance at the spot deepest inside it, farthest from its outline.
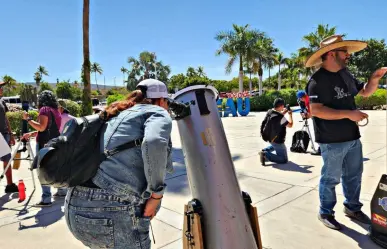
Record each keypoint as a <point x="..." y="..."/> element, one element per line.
<point x="240" y="74"/>
<point x="250" y="84"/>
<point x="86" y="97"/>
<point x="96" y="83"/>
<point x="279" y="77"/>
<point x="260" y="85"/>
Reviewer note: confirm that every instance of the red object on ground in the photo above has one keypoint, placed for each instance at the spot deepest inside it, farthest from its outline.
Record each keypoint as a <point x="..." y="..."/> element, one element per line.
<point x="22" y="191"/>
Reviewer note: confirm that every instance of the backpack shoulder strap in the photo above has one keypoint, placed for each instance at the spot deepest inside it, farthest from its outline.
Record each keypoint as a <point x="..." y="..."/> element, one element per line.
<point x="125" y="146"/>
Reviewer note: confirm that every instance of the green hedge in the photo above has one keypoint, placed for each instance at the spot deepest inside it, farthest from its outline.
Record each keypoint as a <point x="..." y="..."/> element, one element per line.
<point x="265" y="101"/>
<point x="15" y="120"/>
<point x="376" y="99"/>
<point x="114" y="98"/>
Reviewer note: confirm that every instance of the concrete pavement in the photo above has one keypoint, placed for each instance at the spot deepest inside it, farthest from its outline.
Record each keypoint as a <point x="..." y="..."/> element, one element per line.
<point x="286" y="196"/>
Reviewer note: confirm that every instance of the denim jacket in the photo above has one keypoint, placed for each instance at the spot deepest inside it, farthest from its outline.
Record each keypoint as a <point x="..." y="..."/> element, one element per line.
<point x="139" y="170"/>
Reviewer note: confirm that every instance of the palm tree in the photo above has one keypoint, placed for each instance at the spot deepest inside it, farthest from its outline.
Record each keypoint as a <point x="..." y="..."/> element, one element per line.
<point x="10" y="85"/>
<point x="124" y="71"/>
<point x="191" y="72"/>
<point x="281" y="60"/>
<point x="38" y="79"/>
<point x="263" y="54"/>
<point x="86" y="96"/>
<point x="96" y="68"/>
<point x="237" y="43"/>
<point x="42" y="71"/>
<point x="200" y="72"/>
<point x="313" y="40"/>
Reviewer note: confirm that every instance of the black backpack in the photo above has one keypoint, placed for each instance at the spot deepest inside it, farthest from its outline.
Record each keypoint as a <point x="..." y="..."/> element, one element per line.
<point x="269" y="127"/>
<point x="300" y="142"/>
<point x="74" y="157"/>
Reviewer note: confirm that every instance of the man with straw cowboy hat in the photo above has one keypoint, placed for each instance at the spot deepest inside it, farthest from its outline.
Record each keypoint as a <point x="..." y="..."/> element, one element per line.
<point x="332" y="90"/>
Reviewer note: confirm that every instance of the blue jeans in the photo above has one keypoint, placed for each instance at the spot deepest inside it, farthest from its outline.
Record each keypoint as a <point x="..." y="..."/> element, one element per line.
<point x="280" y="156"/>
<point x="101" y="220"/>
<point x="343" y="160"/>
<point x="46" y="189"/>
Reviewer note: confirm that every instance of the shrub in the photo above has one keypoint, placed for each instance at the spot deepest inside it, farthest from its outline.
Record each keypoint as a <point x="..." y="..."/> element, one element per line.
<point x="114" y="98"/>
<point x="265" y="101"/>
<point x="376" y="99"/>
<point x="15" y="120"/>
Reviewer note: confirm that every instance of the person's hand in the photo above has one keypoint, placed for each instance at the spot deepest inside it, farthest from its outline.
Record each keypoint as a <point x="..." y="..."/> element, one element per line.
<point x="27" y="136"/>
<point x="25" y="115"/>
<point x="379" y="73"/>
<point x="290" y="112"/>
<point x="12" y="141"/>
<point x="151" y="206"/>
<point x="357" y="115"/>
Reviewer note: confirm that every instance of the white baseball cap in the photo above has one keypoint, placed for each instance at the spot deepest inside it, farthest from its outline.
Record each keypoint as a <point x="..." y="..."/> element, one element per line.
<point x="153" y="89"/>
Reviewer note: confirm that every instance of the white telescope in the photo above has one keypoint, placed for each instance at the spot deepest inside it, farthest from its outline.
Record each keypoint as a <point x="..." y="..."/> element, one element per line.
<point x="225" y="223"/>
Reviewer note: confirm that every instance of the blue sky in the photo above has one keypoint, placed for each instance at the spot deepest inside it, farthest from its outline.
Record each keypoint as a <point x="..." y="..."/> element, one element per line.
<point x="49" y="33"/>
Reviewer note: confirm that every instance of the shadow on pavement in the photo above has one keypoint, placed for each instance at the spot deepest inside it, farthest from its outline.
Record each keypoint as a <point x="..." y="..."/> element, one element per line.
<point x="45" y="217"/>
<point x="362" y="240"/>
<point x="6" y="198"/>
<point x="290" y="166"/>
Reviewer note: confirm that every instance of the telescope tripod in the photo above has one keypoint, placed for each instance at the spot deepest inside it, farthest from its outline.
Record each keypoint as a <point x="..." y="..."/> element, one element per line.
<point x="192" y="228"/>
<point x="30" y="157"/>
<point x="306" y="128"/>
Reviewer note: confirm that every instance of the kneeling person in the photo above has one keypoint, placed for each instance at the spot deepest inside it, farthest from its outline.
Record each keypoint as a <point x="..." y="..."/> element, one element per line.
<point x="273" y="130"/>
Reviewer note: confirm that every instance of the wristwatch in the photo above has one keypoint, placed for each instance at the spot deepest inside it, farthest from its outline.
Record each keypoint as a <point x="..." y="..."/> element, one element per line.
<point x="29" y="119"/>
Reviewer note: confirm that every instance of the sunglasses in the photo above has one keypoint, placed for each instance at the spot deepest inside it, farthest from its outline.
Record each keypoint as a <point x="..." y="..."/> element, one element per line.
<point x="341" y="50"/>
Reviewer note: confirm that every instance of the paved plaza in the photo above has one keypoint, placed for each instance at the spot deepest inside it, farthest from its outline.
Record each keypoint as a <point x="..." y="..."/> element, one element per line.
<point x="286" y="196"/>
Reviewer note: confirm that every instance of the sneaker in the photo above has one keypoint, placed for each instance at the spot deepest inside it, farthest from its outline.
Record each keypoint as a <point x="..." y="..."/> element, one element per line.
<point x="329" y="221"/>
<point x="358" y="215"/>
<point x="262" y="157"/>
<point x="11" y="188"/>
<point x="43" y="204"/>
<point x="59" y="195"/>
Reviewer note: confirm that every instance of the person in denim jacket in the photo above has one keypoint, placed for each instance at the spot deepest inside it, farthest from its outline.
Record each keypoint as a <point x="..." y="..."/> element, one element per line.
<point x="114" y="208"/>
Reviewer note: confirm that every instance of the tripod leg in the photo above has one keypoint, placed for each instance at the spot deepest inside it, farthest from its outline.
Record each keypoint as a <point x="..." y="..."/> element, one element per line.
<point x="31" y="152"/>
<point x="10" y="161"/>
<point x="311" y="139"/>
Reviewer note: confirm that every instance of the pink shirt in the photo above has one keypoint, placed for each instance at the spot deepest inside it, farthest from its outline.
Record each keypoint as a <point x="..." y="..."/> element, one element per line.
<point x="65" y="117"/>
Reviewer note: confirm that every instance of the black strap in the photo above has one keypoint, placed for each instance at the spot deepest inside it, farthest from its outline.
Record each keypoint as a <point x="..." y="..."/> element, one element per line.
<point x="125" y="146"/>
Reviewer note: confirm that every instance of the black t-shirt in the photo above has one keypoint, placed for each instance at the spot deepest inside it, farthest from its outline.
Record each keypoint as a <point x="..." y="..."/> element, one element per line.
<point x="3" y="122"/>
<point x="279" y="124"/>
<point x="336" y="91"/>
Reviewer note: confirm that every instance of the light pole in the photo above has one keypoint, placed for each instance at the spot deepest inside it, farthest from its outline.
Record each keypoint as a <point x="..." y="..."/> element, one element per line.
<point x="114" y="81"/>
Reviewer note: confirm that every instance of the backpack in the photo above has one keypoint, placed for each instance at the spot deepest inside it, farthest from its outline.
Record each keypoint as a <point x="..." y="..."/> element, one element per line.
<point x="70" y="159"/>
<point x="300" y="142"/>
<point x="269" y="128"/>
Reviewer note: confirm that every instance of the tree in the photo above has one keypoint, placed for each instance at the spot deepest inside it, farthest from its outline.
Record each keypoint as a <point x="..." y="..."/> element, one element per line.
<point x="191" y="72"/>
<point x="64" y="90"/>
<point x="200" y="72"/>
<point x="42" y="71"/>
<point x="313" y="40"/>
<point x="37" y="78"/>
<point x="11" y="87"/>
<point x="45" y="86"/>
<point x="123" y="71"/>
<point x="28" y="93"/>
<point x="281" y="60"/>
<point x="96" y="68"/>
<point x="364" y="63"/>
<point x="146" y="67"/>
<point x="237" y="44"/>
<point x="176" y="82"/>
<point x="86" y="97"/>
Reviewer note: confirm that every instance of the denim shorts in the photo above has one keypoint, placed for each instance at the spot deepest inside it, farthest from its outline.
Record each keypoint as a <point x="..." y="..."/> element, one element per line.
<point x="6" y="158"/>
<point x="101" y="220"/>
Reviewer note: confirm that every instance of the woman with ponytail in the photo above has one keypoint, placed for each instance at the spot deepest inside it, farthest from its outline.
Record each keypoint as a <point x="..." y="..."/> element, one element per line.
<point x="114" y="208"/>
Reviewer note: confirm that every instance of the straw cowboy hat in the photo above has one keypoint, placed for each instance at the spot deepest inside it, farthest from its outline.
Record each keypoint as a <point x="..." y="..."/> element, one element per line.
<point x="331" y="43"/>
